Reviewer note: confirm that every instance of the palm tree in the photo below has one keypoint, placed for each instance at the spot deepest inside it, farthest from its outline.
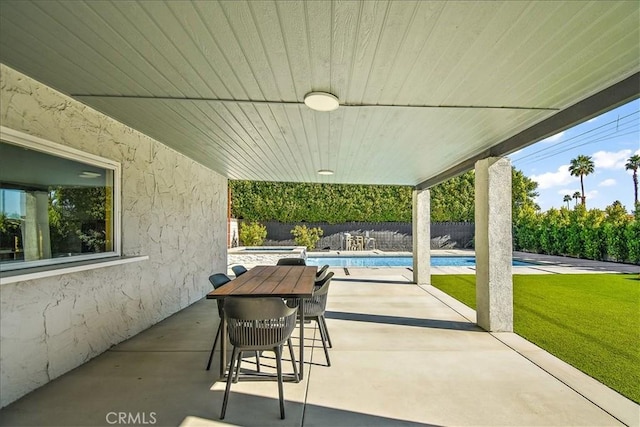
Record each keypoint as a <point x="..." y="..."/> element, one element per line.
<point x="633" y="163"/>
<point x="581" y="166"/>
<point x="566" y="199"/>
<point x="576" y="196"/>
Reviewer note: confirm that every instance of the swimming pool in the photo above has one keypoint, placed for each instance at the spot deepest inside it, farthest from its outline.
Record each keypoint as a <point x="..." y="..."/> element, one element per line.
<point x="398" y="261"/>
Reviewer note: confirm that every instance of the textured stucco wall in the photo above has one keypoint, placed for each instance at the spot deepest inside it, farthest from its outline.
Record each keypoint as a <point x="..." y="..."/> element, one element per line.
<point x="173" y="209"/>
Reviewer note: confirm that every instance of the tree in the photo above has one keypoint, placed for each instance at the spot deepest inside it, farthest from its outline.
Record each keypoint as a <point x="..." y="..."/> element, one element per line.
<point x="523" y="192"/>
<point x="576" y="196"/>
<point x="566" y="199"/>
<point x="77" y="217"/>
<point x="454" y="199"/>
<point x="633" y="163"/>
<point x="581" y="166"/>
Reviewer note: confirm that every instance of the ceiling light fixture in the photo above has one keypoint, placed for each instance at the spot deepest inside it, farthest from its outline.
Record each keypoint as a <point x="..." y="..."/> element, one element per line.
<point x="321" y="101"/>
<point x="88" y="174"/>
<point x="325" y="172"/>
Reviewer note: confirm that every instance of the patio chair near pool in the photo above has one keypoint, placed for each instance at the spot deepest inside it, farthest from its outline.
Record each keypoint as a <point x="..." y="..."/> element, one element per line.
<point x="291" y="261"/>
<point x="218" y="280"/>
<point x="259" y="324"/>
<point x="314" y="309"/>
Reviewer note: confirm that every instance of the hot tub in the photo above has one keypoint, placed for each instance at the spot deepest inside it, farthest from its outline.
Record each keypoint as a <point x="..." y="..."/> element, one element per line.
<point x="250" y="256"/>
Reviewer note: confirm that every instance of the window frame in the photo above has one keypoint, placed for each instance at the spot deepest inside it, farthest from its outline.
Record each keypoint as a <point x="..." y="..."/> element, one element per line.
<point x="14" y="137"/>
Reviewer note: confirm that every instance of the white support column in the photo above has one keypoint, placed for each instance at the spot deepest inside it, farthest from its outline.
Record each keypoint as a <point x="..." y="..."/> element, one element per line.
<point x="42" y="219"/>
<point x="494" y="282"/>
<point x="421" y="237"/>
<point x="29" y="227"/>
<point x="36" y="242"/>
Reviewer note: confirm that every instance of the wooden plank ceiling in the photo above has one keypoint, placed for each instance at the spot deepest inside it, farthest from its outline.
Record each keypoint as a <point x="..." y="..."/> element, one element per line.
<point x="423" y="85"/>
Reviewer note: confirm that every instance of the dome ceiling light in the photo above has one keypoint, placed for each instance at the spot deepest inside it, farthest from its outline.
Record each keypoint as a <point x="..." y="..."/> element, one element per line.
<point x="325" y="172"/>
<point x="321" y="101"/>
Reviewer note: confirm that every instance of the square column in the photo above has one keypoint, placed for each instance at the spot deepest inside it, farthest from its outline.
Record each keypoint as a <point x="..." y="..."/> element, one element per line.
<point x="421" y="226"/>
<point x="494" y="282"/>
<point x="36" y="240"/>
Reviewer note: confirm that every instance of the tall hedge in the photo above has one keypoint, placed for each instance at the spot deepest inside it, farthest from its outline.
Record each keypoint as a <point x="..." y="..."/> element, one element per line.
<point x="337" y="203"/>
<point x="611" y="234"/>
<point x="452" y="200"/>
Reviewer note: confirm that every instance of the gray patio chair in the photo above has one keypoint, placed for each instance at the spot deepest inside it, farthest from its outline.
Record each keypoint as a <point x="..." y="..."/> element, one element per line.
<point x="217" y="280"/>
<point x="314" y="309"/>
<point x="291" y="261"/>
<point x="258" y="324"/>
<point x="238" y="270"/>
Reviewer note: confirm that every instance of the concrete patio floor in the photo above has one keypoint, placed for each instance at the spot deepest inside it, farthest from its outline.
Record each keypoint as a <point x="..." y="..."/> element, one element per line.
<point x="404" y="355"/>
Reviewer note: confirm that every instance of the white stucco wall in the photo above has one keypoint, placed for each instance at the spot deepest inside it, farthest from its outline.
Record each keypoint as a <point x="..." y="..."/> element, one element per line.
<point x="173" y="210"/>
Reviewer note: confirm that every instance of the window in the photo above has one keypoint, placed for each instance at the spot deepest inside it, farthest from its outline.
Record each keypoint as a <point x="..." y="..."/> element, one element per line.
<point x="57" y="204"/>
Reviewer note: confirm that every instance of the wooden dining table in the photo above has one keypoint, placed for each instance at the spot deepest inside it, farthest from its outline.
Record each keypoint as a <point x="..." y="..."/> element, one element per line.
<point x="283" y="281"/>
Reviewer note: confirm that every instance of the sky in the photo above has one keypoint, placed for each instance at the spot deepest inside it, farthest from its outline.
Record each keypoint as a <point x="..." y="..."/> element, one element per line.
<point x="610" y="139"/>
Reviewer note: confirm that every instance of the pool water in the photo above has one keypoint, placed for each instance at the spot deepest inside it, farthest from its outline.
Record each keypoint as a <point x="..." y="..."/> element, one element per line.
<point x="398" y="261"/>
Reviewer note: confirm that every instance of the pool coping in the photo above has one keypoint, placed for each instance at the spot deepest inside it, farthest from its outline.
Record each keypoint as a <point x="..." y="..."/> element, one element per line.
<point x="434" y="254"/>
<point x="546" y="264"/>
<point x="267" y="250"/>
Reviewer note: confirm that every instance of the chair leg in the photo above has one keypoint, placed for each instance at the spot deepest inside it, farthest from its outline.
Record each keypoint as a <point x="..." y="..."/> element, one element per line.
<point x="235" y="378"/>
<point x="278" y="351"/>
<point x="213" y="348"/>
<point x="293" y="361"/>
<point x="234" y="355"/>
<point x="323" y="335"/>
<point x="326" y="331"/>
<point x="324" y="342"/>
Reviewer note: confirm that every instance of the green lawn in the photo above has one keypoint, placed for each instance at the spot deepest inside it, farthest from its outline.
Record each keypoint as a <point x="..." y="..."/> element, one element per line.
<point x="591" y="321"/>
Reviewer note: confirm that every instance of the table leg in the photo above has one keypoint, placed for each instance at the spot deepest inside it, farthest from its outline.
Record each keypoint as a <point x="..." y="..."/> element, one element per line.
<point x="301" y="309"/>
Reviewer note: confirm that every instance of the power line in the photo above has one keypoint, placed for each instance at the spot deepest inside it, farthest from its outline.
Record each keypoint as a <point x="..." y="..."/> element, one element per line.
<point x="600" y="133"/>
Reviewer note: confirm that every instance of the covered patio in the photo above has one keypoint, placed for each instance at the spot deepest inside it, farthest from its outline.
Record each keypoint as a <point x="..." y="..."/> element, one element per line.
<point x="183" y="96"/>
<point x="404" y="355"/>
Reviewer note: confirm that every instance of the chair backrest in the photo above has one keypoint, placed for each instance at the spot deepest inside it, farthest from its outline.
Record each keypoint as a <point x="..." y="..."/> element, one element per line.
<point x="259" y="322"/>
<point x="316" y="305"/>
<point x="218" y="280"/>
<point x="291" y="261"/>
<point x="321" y="270"/>
<point x="322" y="282"/>
<point x="238" y="270"/>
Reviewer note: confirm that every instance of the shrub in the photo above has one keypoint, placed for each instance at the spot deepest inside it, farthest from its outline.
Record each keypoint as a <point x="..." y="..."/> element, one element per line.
<point x="527" y="230"/>
<point x="575" y="241"/>
<point x="592" y="234"/>
<point x="616" y="242"/>
<point x="632" y="234"/>
<point x="252" y="233"/>
<point x="308" y="237"/>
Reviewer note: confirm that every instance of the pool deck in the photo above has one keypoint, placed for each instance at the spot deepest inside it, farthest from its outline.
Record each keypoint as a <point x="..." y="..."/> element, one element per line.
<point x="403" y="355"/>
<point x="547" y="264"/>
